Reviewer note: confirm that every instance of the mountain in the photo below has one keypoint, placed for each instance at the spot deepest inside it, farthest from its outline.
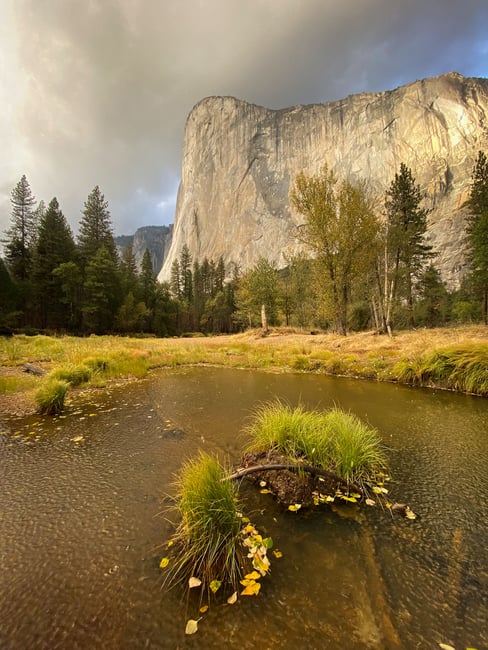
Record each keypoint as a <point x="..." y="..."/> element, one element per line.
<point x="239" y="161"/>
<point x="156" y="238"/>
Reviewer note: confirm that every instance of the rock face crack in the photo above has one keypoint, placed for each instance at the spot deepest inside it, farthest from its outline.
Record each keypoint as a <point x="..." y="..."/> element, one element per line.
<point x="240" y="160"/>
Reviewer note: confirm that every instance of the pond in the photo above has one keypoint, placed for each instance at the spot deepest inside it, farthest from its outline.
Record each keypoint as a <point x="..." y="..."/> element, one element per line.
<point x="84" y="506"/>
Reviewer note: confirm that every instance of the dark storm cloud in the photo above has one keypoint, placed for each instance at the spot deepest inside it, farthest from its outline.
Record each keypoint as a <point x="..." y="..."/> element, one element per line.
<point x="108" y="84"/>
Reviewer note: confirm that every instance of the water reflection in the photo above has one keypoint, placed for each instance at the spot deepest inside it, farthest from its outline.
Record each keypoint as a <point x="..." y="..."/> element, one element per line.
<point x="81" y="523"/>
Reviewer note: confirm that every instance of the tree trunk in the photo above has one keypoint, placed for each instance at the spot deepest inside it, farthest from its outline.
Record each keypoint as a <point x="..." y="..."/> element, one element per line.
<point x="264" y="320"/>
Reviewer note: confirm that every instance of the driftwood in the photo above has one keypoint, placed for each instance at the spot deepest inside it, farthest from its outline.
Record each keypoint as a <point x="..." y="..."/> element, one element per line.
<point x="295" y="467"/>
<point x="34" y="370"/>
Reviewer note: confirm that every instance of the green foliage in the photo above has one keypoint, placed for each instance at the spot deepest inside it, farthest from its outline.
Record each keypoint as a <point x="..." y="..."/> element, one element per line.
<point x="341" y="230"/>
<point x="101" y="293"/>
<point x="207" y="539"/>
<point x="258" y="287"/>
<point x="55" y="246"/>
<point x="477" y="230"/>
<point x="96" y="228"/>
<point x="407" y="252"/>
<point x="21" y="234"/>
<point x="50" y="396"/>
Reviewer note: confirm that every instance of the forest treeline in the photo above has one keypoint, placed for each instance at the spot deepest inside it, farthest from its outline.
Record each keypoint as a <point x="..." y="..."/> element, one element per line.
<point x="365" y="264"/>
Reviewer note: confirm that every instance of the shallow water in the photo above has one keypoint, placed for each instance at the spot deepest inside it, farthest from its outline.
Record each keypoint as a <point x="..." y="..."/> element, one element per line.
<point x="82" y="522"/>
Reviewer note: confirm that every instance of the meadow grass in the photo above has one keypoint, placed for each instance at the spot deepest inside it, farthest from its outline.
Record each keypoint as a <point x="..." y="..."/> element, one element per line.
<point x="453" y="358"/>
<point x="207" y="539"/>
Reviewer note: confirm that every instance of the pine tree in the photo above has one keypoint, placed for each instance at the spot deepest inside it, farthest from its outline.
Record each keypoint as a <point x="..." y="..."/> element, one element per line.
<point x="55" y="246"/>
<point x="129" y="276"/>
<point x="407" y="252"/>
<point x="147" y="279"/>
<point x="477" y="230"/>
<point x="96" y="228"/>
<point x="101" y="293"/>
<point x="21" y="234"/>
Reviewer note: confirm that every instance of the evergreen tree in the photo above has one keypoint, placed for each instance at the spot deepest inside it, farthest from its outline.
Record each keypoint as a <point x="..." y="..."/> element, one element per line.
<point x="8" y="298"/>
<point x="96" y="228"/>
<point x="407" y="252"/>
<point x="477" y="230"/>
<point x="129" y="277"/>
<point x="71" y="282"/>
<point x="55" y="246"/>
<point x="101" y="293"/>
<point x="433" y="303"/>
<point x="147" y="279"/>
<point x="21" y="234"/>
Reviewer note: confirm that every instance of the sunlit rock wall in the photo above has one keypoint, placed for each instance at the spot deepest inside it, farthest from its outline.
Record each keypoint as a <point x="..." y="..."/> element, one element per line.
<point x="239" y="161"/>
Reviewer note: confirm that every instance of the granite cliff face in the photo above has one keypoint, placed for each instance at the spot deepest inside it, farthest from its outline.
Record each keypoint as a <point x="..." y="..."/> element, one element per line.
<point x="155" y="238"/>
<point x="239" y="161"/>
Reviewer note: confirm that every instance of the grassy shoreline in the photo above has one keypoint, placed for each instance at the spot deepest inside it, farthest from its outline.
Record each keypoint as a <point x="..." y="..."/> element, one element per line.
<point x="450" y="358"/>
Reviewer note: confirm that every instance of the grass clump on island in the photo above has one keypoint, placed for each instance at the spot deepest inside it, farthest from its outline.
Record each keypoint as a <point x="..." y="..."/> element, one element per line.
<point x="331" y="440"/>
<point x="212" y="540"/>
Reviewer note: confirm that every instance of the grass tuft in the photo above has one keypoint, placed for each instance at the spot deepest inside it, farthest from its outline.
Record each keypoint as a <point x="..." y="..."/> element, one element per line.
<point x="333" y="440"/>
<point x="50" y="396"/>
<point x="207" y="540"/>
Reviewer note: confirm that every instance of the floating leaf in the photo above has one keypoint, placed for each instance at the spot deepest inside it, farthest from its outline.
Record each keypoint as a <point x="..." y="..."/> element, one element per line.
<point x="251" y="589"/>
<point x="278" y="554"/>
<point x="215" y="585"/>
<point x="170" y="543"/>
<point x="254" y="575"/>
<point x="191" y="626"/>
<point x="262" y="483"/>
<point x="194" y="582"/>
<point x="294" y="507"/>
<point x="164" y="562"/>
<point x="75" y="439"/>
<point x="203" y="609"/>
<point x="232" y="599"/>
<point x="268" y="542"/>
<point x="370" y="502"/>
<point x="444" y="646"/>
<point x="329" y="499"/>
<point x="265" y="491"/>
<point x="245" y="520"/>
<point x="410" y="514"/>
<point x="261" y="563"/>
<point x="379" y="490"/>
<point x="350" y="499"/>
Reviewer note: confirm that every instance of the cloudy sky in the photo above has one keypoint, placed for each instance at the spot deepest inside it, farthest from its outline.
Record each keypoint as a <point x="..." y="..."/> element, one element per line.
<point x="96" y="92"/>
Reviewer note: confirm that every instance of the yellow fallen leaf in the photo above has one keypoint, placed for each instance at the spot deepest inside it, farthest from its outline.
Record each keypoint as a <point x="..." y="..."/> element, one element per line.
<point x="164" y="562"/>
<point x="350" y="499"/>
<point x="215" y="585"/>
<point x="278" y="554"/>
<point x="251" y="589"/>
<point x="232" y="599"/>
<point x="75" y="439"/>
<point x="265" y="491"/>
<point x="410" y="514"/>
<point x="294" y="507"/>
<point x="254" y="575"/>
<point x="194" y="582"/>
<point x="370" y="502"/>
<point x="170" y="543"/>
<point x="203" y="609"/>
<point x="191" y="626"/>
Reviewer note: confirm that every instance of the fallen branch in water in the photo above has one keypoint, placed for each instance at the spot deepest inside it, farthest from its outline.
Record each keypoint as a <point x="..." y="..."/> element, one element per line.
<point x="295" y="467"/>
